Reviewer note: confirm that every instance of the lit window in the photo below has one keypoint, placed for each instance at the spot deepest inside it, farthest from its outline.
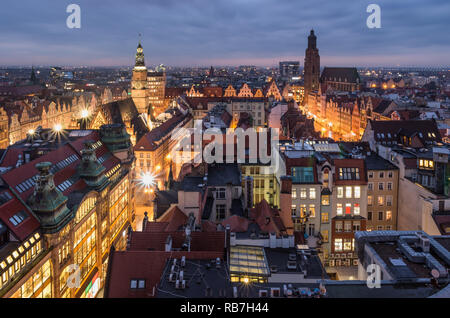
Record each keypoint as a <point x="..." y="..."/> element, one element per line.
<point x="356" y="209"/>
<point x="294" y="193"/>
<point x="339" y="209"/>
<point x="340" y="192"/>
<point x="312" y="193"/>
<point x="380" y="200"/>
<point x="312" y="210"/>
<point x="388" y="215"/>
<point x="348" y="208"/>
<point x="347" y="245"/>
<point x="303" y="193"/>
<point x="357" y="192"/>
<point x="348" y="192"/>
<point x="338" y="245"/>
<point x="302" y="210"/>
<point x="325" y="200"/>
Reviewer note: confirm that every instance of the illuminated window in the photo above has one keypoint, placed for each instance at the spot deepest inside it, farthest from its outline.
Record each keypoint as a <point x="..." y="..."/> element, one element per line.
<point x="340" y="192"/>
<point x="369" y="200"/>
<point x="380" y="200"/>
<point x="348" y="208"/>
<point x="356" y="209"/>
<point x="339" y="209"/>
<point x="388" y="215"/>
<point x="325" y="200"/>
<point x="294" y="193"/>
<point x="293" y="210"/>
<point x="357" y="192"/>
<point x="324" y="235"/>
<point x="312" y="210"/>
<point x="348" y="192"/>
<point x="303" y="193"/>
<point x="324" y="217"/>
<point x="338" y="245"/>
<point x="302" y="210"/>
<point x="312" y="193"/>
<point x="347" y="244"/>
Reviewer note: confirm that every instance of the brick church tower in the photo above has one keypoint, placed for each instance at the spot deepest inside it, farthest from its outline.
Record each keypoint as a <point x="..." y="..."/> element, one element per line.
<point x="312" y="66"/>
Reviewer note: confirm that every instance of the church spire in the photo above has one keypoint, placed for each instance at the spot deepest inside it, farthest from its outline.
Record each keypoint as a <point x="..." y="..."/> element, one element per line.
<point x="140" y="62"/>
<point x="33" y="77"/>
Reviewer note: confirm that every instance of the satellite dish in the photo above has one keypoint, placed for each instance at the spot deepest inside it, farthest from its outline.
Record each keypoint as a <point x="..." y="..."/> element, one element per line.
<point x="435" y="273"/>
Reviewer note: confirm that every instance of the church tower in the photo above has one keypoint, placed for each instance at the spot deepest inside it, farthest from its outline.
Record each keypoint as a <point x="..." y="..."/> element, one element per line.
<point x="139" y="82"/>
<point x="312" y="66"/>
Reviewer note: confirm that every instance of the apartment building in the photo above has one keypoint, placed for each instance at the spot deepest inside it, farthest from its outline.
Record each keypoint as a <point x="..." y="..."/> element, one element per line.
<point x="382" y="194"/>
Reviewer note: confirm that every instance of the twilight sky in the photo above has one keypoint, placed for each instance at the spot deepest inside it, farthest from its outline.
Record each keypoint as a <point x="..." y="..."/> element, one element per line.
<point x="224" y="32"/>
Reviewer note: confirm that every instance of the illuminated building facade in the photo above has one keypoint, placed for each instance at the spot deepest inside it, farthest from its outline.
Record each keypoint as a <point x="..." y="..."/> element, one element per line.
<point x="66" y="208"/>
<point x="156" y="85"/>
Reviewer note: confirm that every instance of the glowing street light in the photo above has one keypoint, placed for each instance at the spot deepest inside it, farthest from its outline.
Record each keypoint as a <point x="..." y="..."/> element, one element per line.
<point x="148" y="180"/>
<point x="246" y="280"/>
<point x="84" y="113"/>
<point x="57" y="128"/>
<point x="31" y="132"/>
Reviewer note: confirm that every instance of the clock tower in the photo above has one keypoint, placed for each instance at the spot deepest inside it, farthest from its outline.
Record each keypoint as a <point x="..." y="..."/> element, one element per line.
<point x="139" y="82"/>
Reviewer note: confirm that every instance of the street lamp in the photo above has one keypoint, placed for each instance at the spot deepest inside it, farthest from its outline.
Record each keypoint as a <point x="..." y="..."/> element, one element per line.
<point x="57" y="128"/>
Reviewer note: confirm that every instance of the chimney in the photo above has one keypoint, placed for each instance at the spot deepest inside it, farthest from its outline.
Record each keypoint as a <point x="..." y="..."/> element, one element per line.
<point x="286" y="204"/>
<point x="19" y="161"/>
<point x="227" y="243"/>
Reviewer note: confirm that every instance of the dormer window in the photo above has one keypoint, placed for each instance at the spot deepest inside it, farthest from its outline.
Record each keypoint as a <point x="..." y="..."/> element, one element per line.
<point x="137" y="284"/>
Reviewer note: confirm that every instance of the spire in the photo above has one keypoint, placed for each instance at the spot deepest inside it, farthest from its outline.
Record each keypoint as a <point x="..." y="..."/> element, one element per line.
<point x="33" y="77"/>
<point x="140" y="62"/>
<point x="312" y="39"/>
<point x="171" y="181"/>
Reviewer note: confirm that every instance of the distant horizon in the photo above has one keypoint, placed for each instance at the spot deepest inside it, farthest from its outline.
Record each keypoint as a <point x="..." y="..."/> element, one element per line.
<point x="29" y="66"/>
<point x="201" y="33"/>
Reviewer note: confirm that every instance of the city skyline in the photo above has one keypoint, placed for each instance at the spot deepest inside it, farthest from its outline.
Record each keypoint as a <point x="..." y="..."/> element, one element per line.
<point x="259" y="33"/>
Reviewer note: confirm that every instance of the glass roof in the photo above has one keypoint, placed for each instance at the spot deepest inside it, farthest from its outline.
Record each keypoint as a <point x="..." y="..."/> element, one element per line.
<point x="250" y="260"/>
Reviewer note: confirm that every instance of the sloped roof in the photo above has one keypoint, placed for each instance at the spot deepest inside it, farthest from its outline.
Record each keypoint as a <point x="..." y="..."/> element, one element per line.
<point x="267" y="218"/>
<point x="388" y="130"/>
<point x="340" y="74"/>
<point x="237" y="223"/>
<point x="174" y="218"/>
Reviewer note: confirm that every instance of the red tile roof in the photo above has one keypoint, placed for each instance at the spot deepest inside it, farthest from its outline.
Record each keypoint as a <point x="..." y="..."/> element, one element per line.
<point x="267" y="218"/>
<point x="23" y="229"/>
<point x="236" y="223"/>
<point x="174" y="218"/>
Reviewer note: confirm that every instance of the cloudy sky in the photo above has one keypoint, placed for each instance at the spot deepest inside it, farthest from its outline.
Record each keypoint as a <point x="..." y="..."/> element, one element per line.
<point x="224" y="32"/>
